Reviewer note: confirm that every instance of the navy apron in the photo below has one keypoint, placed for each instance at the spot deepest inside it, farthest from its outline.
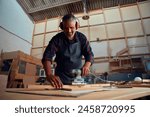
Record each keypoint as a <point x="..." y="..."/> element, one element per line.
<point x="69" y="57"/>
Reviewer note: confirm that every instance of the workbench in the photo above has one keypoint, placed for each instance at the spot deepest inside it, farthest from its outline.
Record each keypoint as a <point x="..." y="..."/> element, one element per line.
<point x="101" y="93"/>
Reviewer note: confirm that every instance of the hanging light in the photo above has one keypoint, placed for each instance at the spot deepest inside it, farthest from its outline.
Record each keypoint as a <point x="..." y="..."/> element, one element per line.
<point x="85" y="16"/>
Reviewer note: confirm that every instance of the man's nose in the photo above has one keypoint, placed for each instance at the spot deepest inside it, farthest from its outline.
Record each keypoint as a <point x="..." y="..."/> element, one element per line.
<point x="69" y="29"/>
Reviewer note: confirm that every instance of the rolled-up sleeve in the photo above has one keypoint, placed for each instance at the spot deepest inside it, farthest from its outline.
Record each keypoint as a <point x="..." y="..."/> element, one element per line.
<point x="50" y="51"/>
<point x="87" y="51"/>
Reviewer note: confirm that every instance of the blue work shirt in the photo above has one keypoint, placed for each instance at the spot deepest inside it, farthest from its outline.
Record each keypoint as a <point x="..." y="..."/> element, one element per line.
<point x="68" y="54"/>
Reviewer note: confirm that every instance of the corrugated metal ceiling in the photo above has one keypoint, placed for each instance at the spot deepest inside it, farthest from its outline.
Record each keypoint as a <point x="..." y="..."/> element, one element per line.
<point x="40" y="9"/>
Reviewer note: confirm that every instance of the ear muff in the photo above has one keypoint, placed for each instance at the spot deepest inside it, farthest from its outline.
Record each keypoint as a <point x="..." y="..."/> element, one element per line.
<point x="77" y="25"/>
<point x="61" y="25"/>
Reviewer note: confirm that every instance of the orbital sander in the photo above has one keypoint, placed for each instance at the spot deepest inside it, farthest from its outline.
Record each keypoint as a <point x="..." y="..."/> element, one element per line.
<point x="78" y="79"/>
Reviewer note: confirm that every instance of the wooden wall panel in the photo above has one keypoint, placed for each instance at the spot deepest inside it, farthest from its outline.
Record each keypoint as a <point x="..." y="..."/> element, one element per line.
<point x="100" y="67"/>
<point x="133" y="28"/>
<point x="52" y="25"/>
<point x="48" y="37"/>
<point x="115" y="30"/>
<point x="38" y="41"/>
<point x="145" y="9"/>
<point x="95" y="29"/>
<point x="116" y="46"/>
<point x="129" y="13"/>
<point x="112" y="15"/>
<point x="139" y="50"/>
<point x="84" y="31"/>
<point x="147" y="25"/>
<point x="96" y="19"/>
<point x="37" y="53"/>
<point x="97" y="32"/>
<point x="138" y="41"/>
<point x="83" y="22"/>
<point x="39" y="28"/>
<point x="99" y="48"/>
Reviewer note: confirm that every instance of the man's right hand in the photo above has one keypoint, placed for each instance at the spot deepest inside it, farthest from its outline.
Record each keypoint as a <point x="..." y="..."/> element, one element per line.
<point x="55" y="81"/>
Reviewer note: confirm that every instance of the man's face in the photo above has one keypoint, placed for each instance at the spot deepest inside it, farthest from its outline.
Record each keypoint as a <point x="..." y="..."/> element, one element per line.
<point x="69" y="28"/>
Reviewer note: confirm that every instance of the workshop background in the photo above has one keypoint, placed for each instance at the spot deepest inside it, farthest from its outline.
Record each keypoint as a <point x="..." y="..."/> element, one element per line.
<point x="118" y="31"/>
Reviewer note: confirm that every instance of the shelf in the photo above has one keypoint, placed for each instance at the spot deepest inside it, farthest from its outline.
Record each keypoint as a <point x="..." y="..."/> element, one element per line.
<point x="126" y="65"/>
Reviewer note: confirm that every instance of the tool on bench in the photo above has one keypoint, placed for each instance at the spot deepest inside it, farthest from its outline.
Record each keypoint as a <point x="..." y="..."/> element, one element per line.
<point x="78" y="79"/>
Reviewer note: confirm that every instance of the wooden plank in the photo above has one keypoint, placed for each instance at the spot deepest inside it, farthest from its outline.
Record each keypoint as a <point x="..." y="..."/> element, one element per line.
<point x="3" y="82"/>
<point x="72" y="87"/>
<point x="30" y="69"/>
<point x="133" y="84"/>
<point x="103" y="94"/>
<point x="123" y="51"/>
<point x="120" y="94"/>
<point x="66" y="91"/>
<point x="140" y="85"/>
<point x="45" y="93"/>
<point x="10" y="55"/>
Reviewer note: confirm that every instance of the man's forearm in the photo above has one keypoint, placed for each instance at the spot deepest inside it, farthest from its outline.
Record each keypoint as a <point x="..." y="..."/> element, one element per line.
<point x="87" y="64"/>
<point x="47" y="68"/>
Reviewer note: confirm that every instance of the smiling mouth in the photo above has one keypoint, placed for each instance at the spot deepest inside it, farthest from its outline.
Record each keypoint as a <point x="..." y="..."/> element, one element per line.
<point x="69" y="33"/>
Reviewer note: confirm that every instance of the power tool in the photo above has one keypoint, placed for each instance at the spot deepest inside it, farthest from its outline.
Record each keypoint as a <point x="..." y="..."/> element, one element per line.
<point x="78" y="79"/>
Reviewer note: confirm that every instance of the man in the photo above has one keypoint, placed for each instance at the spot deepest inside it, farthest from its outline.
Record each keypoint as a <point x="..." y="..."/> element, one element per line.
<point x="68" y="46"/>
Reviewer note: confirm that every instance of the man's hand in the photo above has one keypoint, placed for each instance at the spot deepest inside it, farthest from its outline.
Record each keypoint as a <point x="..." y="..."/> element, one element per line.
<point x="86" y="68"/>
<point x="55" y="81"/>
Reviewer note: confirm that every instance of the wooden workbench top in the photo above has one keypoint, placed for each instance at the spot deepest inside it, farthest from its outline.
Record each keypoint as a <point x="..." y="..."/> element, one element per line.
<point x="101" y="94"/>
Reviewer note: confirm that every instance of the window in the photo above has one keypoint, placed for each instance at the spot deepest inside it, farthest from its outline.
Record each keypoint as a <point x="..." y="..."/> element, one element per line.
<point x="6" y="65"/>
<point x="22" y="66"/>
<point x="38" y="67"/>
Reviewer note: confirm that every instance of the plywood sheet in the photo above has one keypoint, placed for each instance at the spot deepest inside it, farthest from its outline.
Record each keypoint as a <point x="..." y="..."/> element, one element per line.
<point x="115" y="30"/>
<point x="72" y="87"/>
<point x="44" y="93"/>
<point x="138" y="41"/>
<point x="39" y="28"/>
<point x="83" y="22"/>
<point x="147" y="25"/>
<point x="84" y="31"/>
<point x="52" y="25"/>
<point x="100" y="67"/>
<point x="38" y="41"/>
<point x="116" y="46"/>
<point x="130" y="13"/>
<point x="37" y="53"/>
<point x="97" y="32"/>
<point x="49" y="37"/>
<point x="112" y="15"/>
<point x="109" y="94"/>
<point x="96" y="19"/>
<point x="133" y="28"/>
<point x="99" y="48"/>
<point x="139" y="50"/>
<point x="60" y="93"/>
<point x="145" y="9"/>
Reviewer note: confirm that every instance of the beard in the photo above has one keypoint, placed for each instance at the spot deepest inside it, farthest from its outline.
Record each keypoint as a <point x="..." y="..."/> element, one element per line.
<point x="70" y="35"/>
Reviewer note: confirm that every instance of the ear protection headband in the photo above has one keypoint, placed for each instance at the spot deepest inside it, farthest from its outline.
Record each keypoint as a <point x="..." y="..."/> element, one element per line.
<point x="67" y="17"/>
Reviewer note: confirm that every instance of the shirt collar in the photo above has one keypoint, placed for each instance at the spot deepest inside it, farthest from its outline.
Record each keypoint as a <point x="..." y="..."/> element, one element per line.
<point x="76" y="38"/>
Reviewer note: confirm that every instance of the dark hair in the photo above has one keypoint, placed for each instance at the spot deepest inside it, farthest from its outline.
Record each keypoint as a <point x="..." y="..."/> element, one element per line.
<point x="69" y="17"/>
